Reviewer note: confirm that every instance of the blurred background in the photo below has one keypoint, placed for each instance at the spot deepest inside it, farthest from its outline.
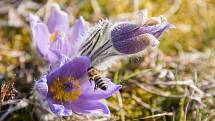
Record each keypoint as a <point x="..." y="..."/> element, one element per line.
<point x="175" y="81"/>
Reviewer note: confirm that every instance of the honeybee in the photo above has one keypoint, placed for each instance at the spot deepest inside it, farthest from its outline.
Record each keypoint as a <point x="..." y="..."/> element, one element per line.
<point x="95" y="75"/>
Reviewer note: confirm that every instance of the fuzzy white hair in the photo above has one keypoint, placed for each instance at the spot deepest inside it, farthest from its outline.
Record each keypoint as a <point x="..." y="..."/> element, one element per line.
<point x="97" y="44"/>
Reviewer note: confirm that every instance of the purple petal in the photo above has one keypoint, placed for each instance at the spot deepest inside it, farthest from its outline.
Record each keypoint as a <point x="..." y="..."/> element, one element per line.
<point x="78" y="29"/>
<point x="41" y="87"/>
<point x="76" y="32"/>
<point x="89" y="107"/>
<point x="59" y="47"/>
<point x="59" y="110"/>
<point x="129" y="30"/>
<point x="52" y="57"/>
<point x="136" y="44"/>
<point x="58" y="20"/>
<point x="88" y="91"/>
<point x="131" y="38"/>
<point x="155" y="30"/>
<point x="33" y="19"/>
<point x="75" y="68"/>
<point x="41" y="38"/>
<point x="41" y="41"/>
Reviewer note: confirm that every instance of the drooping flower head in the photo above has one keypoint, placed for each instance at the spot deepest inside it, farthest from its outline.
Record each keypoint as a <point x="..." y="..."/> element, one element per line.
<point x="131" y="38"/>
<point x="68" y="89"/>
<point x="111" y="41"/>
<point x="56" y="38"/>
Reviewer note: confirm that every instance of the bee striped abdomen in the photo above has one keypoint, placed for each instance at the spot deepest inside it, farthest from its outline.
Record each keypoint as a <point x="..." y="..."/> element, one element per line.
<point x="95" y="75"/>
<point x="101" y="84"/>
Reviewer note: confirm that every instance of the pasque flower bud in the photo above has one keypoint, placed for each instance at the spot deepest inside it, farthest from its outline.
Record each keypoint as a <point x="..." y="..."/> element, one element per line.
<point x="131" y="38"/>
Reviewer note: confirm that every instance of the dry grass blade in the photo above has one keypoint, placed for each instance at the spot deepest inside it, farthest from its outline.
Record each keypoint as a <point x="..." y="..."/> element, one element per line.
<point x="22" y="104"/>
<point x="153" y="91"/>
<point x="174" y="8"/>
<point x="96" y="7"/>
<point x="188" y="48"/>
<point x="188" y="83"/>
<point x="157" y="115"/>
<point x="122" y="112"/>
<point x="145" y="105"/>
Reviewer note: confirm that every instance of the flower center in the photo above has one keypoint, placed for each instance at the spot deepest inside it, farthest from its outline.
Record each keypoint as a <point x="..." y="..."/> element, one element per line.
<point x="65" y="89"/>
<point x="68" y="86"/>
<point x="56" y="36"/>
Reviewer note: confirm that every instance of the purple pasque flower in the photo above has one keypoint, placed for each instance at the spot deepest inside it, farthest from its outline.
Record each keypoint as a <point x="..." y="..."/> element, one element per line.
<point x="131" y="38"/>
<point x="68" y="89"/>
<point x="56" y="38"/>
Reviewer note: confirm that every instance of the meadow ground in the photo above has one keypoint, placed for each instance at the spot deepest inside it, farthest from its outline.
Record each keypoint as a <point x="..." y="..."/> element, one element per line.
<point x="174" y="82"/>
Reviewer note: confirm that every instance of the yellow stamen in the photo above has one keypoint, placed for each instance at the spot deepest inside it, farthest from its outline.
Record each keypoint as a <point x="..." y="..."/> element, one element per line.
<point x="52" y="37"/>
<point x="57" y="88"/>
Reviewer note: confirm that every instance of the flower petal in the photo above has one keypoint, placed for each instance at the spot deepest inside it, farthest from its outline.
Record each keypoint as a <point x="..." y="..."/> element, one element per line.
<point x="41" y="41"/>
<point x="89" y="107"/>
<point x="33" y="19"/>
<point x="58" y="20"/>
<point x="59" y="47"/>
<point x="41" y="87"/>
<point x="76" y="32"/>
<point x="59" y="110"/>
<point x="128" y="30"/>
<point x="41" y="38"/>
<point x="88" y="91"/>
<point x="75" y="68"/>
<point x="52" y="57"/>
<point x="78" y="29"/>
<point x="136" y="44"/>
<point x="155" y="30"/>
<point x="130" y="38"/>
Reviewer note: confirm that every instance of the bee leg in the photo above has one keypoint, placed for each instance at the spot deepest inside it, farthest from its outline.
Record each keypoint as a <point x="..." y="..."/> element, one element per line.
<point x="91" y="81"/>
<point x="96" y="87"/>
